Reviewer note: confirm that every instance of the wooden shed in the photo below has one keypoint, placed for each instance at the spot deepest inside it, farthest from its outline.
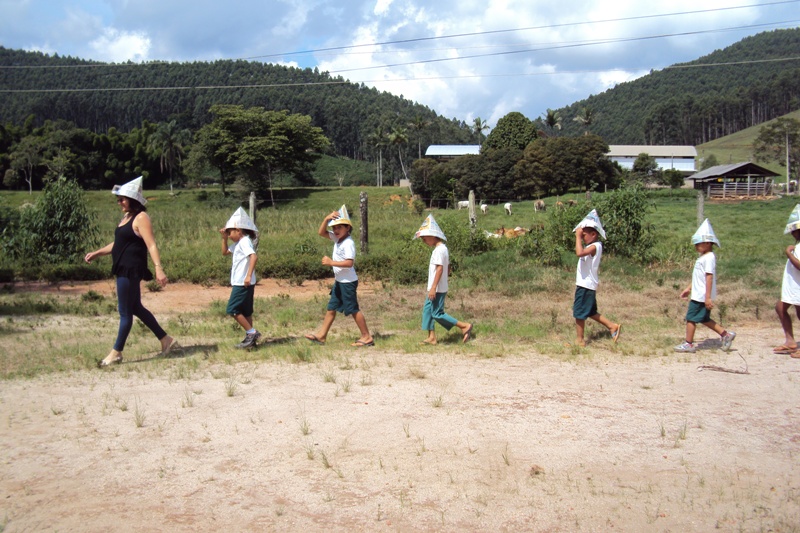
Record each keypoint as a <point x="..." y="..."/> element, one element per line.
<point x="737" y="179"/>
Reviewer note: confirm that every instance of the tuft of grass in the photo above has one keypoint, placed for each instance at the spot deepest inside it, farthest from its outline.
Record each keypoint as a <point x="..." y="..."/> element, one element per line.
<point x="139" y="415"/>
<point x="231" y="385"/>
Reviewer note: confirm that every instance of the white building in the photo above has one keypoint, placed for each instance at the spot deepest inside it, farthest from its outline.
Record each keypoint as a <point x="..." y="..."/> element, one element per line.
<point x="667" y="157"/>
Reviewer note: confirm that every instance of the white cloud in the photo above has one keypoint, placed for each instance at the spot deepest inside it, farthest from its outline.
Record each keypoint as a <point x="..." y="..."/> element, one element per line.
<point x="117" y="46"/>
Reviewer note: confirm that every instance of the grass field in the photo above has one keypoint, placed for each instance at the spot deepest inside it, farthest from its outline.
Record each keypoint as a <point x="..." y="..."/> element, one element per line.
<point x="514" y="300"/>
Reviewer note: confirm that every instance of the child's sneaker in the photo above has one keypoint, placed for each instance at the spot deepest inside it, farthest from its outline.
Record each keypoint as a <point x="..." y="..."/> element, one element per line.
<point x="727" y="340"/>
<point x="685" y="347"/>
<point x="249" y="340"/>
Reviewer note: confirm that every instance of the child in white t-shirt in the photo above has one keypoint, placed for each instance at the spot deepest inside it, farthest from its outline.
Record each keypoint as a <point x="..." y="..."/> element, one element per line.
<point x="242" y="231"/>
<point x="702" y="291"/>
<point x="438" y="270"/>
<point x="790" y="288"/>
<point x="589" y="250"/>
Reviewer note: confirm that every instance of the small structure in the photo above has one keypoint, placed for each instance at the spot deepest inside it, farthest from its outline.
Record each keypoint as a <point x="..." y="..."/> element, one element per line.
<point x="737" y="179"/>
<point x="444" y="152"/>
<point x="667" y="157"/>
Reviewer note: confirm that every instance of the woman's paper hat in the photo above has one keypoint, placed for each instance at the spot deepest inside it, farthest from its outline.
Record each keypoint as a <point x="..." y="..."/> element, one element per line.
<point x="132" y="189"/>
<point x="705" y="233"/>
<point x="430" y="228"/>
<point x="794" y="220"/>
<point x="344" y="218"/>
<point x="592" y="220"/>
<point x="241" y="220"/>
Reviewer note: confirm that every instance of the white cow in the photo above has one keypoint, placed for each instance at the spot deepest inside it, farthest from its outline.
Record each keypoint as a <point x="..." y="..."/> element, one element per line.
<point x="484" y="208"/>
<point x="507" y="207"/>
<point x="463" y="204"/>
<point x="539" y="205"/>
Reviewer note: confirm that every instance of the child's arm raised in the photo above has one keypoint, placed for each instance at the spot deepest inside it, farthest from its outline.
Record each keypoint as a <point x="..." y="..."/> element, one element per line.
<point x="224" y="233"/>
<point x="323" y="228"/>
<point x="581" y="250"/>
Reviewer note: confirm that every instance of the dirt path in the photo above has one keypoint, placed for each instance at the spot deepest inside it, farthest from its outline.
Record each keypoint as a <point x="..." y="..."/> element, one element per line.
<point x="410" y="442"/>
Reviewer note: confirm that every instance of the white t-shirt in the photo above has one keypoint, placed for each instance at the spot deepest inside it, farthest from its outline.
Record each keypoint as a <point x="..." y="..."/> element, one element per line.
<point x="342" y="251"/>
<point x="790" y="290"/>
<point x="705" y="264"/>
<point x="588" y="267"/>
<point x="241" y="251"/>
<point x="439" y="256"/>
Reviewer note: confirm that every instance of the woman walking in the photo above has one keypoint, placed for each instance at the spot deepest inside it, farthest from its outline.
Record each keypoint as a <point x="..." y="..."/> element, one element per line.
<point x="133" y="239"/>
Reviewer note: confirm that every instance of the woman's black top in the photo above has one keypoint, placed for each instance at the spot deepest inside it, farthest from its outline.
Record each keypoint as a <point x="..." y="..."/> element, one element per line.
<point x="129" y="254"/>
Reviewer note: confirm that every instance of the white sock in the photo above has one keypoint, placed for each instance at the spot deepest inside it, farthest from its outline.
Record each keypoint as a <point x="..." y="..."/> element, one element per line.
<point x="250" y="331"/>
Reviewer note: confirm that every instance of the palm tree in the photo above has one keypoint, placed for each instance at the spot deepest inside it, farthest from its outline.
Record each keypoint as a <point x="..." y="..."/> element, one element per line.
<point x="552" y="120"/>
<point x="398" y="137"/>
<point x="478" y="127"/>
<point x="167" y="142"/>
<point x="418" y="124"/>
<point x="585" y="118"/>
<point x="378" y="140"/>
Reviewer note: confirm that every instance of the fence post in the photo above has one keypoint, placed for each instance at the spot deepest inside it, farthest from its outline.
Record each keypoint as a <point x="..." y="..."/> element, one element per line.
<point x="362" y="200"/>
<point x="472" y="218"/>
<point x="253" y="207"/>
<point x="700" y="208"/>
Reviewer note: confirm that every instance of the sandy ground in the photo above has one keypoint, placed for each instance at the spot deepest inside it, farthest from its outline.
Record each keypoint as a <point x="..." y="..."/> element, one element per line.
<point x="431" y="441"/>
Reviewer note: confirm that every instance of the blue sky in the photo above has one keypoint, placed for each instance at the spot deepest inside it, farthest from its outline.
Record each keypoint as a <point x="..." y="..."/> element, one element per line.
<point x="462" y="58"/>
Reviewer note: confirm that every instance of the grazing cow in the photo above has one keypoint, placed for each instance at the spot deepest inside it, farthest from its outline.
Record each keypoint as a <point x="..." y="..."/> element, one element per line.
<point x="507" y="207"/>
<point x="572" y="203"/>
<point x="484" y="208"/>
<point x="559" y="205"/>
<point x="539" y="205"/>
<point x="463" y="204"/>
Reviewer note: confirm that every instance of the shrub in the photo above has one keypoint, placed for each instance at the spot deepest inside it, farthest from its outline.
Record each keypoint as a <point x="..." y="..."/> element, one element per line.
<point x="623" y="214"/>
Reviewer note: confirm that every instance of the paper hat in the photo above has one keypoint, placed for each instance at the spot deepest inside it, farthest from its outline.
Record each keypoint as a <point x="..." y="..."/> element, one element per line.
<point x="592" y="220"/>
<point x="794" y="220"/>
<point x="241" y="220"/>
<point x="344" y="218"/>
<point x="132" y="189"/>
<point x="705" y="233"/>
<point x="430" y="228"/>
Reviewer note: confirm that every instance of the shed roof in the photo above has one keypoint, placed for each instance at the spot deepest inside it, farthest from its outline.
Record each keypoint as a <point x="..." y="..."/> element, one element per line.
<point x="453" y="150"/>
<point x="733" y="170"/>
<point x="633" y="150"/>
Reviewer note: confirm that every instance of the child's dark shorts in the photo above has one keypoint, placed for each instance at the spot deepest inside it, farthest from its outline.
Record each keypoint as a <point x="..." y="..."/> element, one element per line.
<point x="697" y="312"/>
<point x="344" y="298"/>
<point x="241" y="300"/>
<point x="585" y="304"/>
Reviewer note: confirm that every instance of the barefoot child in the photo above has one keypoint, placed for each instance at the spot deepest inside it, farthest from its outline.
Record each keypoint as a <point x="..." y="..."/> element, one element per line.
<point x="703" y="290"/>
<point x="790" y="289"/>
<point x="344" y="299"/>
<point x="433" y="310"/>
<point x="242" y="231"/>
<point x="589" y="250"/>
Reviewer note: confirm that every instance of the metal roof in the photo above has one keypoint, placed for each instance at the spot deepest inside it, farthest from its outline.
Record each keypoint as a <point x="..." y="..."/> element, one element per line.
<point x="734" y="169"/>
<point x="453" y="150"/>
<point x="633" y="150"/>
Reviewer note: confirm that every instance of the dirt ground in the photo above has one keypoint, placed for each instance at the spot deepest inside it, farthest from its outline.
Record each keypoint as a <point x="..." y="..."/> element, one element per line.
<point x="430" y="441"/>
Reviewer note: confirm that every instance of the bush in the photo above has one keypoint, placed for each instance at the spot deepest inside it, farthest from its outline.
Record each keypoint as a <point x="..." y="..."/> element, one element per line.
<point x="623" y="214"/>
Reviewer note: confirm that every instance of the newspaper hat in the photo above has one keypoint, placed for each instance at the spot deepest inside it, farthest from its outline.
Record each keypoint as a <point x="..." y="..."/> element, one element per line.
<point x="344" y="218"/>
<point x="241" y="220"/>
<point x="132" y="189"/>
<point x="705" y="233"/>
<point x="592" y="220"/>
<point x="430" y="228"/>
<point x="794" y="220"/>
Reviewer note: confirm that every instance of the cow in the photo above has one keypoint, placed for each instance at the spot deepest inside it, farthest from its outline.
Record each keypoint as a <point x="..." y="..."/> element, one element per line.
<point x="463" y="204"/>
<point x="559" y="205"/>
<point x="572" y="203"/>
<point x="484" y="208"/>
<point x="507" y="207"/>
<point x="539" y="205"/>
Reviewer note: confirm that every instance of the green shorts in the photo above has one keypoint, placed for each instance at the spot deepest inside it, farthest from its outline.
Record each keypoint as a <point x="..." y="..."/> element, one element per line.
<point x="241" y="300"/>
<point x="585" y="304"/>
<point x="697" y="312"/>
<point x="344" y="298"/>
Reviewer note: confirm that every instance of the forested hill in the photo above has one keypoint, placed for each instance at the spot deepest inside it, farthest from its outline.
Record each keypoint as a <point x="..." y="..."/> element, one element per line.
<point x="692" y="103"/>
<point x="350" y="114"/>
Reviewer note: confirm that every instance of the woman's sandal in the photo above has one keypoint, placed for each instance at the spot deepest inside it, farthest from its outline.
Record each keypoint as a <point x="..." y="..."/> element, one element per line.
<point x="108" y="362"/>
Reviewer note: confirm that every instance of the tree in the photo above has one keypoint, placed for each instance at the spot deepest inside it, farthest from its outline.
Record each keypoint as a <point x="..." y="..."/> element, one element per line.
<point x="378" y="140"/>
<point x="552" y="119"/>
<point x="25" y="156"/>
<point x="709" y="161"/>
<point x="585" y="118"/>
<point x="779" y="141"/>
<point x="645" y="169"/>
<point x="212" y="146"/>
<point x="167" y="142"/>
<point x="478" y="127"/>
<point x="418" y="124"/>
<point x="514" y="130"/>
<point x="399" y="137"/>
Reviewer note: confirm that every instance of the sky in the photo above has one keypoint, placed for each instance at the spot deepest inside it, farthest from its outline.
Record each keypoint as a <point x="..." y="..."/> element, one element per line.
<point x="461" y="58"/>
